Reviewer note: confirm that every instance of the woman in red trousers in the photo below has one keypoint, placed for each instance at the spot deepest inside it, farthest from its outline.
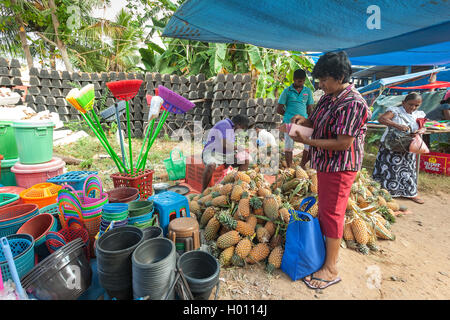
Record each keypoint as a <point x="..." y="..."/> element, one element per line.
<point x="337" y="148"/>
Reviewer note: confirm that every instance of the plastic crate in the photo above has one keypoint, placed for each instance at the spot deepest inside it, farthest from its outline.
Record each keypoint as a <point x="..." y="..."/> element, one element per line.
<point x="142" y="181"/>
<point x="435" y="162"/>
<point x="194" y="173"/>
<point x="73" y="178"/>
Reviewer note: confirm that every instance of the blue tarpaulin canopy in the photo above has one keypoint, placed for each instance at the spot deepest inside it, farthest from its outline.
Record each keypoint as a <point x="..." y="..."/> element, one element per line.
<point x="421" y="28"/>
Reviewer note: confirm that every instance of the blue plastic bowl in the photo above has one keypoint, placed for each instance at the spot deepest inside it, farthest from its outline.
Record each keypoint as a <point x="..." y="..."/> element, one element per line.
<point x="115" y="207"/>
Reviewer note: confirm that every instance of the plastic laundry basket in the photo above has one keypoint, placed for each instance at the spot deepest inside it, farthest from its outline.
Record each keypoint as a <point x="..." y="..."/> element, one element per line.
<point x="176" y="168"/>
<point x="8" y="146"/>
<point x="27" y="175"/>
<point x="34" y="141"/>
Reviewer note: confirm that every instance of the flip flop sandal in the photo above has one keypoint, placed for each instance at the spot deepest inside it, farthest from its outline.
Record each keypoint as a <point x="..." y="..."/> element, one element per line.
<point x="328" y="283"/>
<point x="417" y="200"/>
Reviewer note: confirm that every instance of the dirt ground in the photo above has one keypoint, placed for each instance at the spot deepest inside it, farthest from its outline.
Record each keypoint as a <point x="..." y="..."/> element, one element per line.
<point x="414" y="266"/>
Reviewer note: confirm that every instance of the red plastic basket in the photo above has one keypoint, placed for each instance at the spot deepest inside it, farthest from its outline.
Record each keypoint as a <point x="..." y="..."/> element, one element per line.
<point x="142" y="181"/>
<point x="194" y="173"/>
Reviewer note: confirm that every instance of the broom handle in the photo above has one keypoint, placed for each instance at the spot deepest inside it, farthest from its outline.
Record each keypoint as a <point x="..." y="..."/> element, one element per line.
<point x="100" y="129"/>
<point x="143" y="144"/>
<point x="158" y="129"/>
<point x="103" y="135"/>
<point x="129" y="138"/>
<point x="88" y="121"/>
<point x="141" y="167"/>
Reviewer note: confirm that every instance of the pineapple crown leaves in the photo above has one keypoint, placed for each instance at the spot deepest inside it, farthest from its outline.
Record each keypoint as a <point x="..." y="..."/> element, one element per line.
<point x="255" y="202"/>
<point x="215" y="194"/>
<point x="244" y="195"/>
<point x="386" y="214"/>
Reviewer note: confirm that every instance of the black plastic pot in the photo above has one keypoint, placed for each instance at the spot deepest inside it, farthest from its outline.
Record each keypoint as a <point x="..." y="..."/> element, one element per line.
<point x="154" y="263"/>
<point x="152" y="232"/>
<point x="201" y="270"/>
<point x="114" y="250"/>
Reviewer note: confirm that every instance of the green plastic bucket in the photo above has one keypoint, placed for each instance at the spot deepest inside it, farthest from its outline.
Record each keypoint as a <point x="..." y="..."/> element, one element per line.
<point x="8" y="178"/>
<point x="176" y="168"/>
<point x="8" y="146"/>
<point x="34" y="141"/>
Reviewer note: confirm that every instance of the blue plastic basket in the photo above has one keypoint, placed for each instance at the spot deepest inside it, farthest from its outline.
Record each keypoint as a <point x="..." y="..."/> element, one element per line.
<point x="7" y="198"/>
<point x="11" y="228"/>
<point x="73" y="178"/>
<point x="22" y="249"/>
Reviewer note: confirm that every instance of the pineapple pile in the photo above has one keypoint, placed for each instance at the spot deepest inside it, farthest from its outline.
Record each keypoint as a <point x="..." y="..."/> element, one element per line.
<point x="243" y="222"/>
<point x="370" y="209"/>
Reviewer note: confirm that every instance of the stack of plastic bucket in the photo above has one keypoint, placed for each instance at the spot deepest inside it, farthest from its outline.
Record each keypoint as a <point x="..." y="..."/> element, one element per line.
<point x="34" y="140"/>
<point x="8" y="149"/>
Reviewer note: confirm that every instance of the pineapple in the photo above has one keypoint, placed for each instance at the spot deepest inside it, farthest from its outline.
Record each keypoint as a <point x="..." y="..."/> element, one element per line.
<point x="360" y="231"/>
<point x="300" y="173"/>
<point x="314" y="210"/>
<point x="252" y="221"/>
<point x="382" y="232"/>
<point x="215" y="194"/>
<point x="258" y="253"/>
<point x="348" y="233"/>
<point x="284" y="214"/>
<point x="244" y="206"/>
<point x="243" y="248"/>
<point x="242" y="176"/>
<point x="207" y="191"/>
<point x="228" y="239"/>
<point x="350" y="204"/>
<point x="217" y="187"/>
<point x="226" y="189"/>
<point x="270" y="226"/>
<point x="262" y="234"/>
<point x="314" y="183"/>
<point x="229" y="178"/>
<point x="194" y="207"/>
<point x="291" y="184"/>
<point x="241" y="227"/>
<point x="212" y="228"/>
<point x="275" y="241"/>
<point x="270" y="207"/>
<point x="274" y="261"/>
<point x="225" y="256"/>
<point x="372" y="242"/>
<point x="204" y="200"/>
<point x="364" y="249"/>
<point x="263" y="192"/>
<point x="213" y="250"/>
<point x="206" y="216"/>
<point x="221" y="201"/>
<point x="223" y="230"/>
<point x="381" y="201"/>
<point x="256" y="205"/>
<point x="236" y="193"/>
<point x="393" y="205"/>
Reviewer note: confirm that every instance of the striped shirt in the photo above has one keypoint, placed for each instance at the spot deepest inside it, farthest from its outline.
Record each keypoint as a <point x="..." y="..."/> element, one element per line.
<point x="346" y="114"/>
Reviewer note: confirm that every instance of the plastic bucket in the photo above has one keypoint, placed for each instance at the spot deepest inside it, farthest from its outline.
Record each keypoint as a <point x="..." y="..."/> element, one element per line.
<point x="29" y="175"/>
<point x="139" y="208"/>
<point x="201" y="271"/>
<point x="8" y="178"/>
<point x="8" y="146"/>
<point x="153" y="232"/>
<point x="123" y="195"/>
<point x="34" y="141"/>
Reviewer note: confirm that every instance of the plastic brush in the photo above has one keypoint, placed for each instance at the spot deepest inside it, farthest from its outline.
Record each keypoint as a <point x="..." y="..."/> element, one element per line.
<point x="126" y="90"/>
<point x="173" y="102"/>
<point x="155" y="104"/>
<point x="72" y="98"/>
<point x="86" y="97"/>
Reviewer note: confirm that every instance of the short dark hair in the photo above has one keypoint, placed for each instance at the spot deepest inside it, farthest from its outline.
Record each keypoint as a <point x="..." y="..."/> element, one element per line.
<point x="335" y="65"/>
<point x="259" y="126"/>
<point x="413" y="96"/>
<point x="299" y="74"/>
<point x="241" y="120"/>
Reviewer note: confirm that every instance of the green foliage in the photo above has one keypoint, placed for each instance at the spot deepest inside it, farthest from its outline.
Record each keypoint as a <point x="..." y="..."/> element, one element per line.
<point x="86" y="164"/>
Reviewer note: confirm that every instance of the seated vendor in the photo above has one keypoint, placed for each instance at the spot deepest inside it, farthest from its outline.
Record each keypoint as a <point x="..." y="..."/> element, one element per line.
<point x="220" y="147"/>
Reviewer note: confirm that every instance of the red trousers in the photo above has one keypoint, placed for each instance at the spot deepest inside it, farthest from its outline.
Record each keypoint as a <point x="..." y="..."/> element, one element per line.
<point x="333" y="193"/>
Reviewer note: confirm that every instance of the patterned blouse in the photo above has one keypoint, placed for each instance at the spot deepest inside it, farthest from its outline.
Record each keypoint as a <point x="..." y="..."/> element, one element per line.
<point x="346" y="114"/>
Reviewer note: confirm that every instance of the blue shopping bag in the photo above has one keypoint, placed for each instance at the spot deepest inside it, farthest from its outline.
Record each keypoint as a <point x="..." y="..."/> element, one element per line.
<point x="304" y="251"/>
